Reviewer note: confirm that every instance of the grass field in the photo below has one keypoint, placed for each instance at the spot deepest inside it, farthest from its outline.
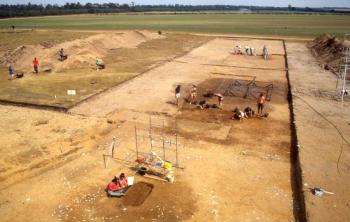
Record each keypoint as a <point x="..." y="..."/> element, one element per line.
<point x="11" y="40"/>
<point x="255" y="24"/>
<point x="123" y="64"/>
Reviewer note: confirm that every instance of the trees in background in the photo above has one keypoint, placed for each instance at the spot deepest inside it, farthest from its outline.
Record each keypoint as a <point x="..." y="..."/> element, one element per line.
<point x="20" y="10"/>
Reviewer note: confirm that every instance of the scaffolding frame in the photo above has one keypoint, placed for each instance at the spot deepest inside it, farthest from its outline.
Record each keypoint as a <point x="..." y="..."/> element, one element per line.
<point x="343" y="84"/>
<point x="156" y="136"/>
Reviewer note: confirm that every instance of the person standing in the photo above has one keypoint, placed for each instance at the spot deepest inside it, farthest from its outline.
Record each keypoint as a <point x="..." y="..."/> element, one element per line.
<point x="261" y="102"/>
<point x="11" y="72"/>
<point x="265" y="52"/>
<point x="193" y="94"/>
<point x="36" y="65"/>
<point x="177" y="94"/>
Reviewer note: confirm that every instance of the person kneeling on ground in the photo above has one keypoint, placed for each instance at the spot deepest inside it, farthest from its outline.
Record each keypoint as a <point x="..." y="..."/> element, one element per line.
<point x="238" y="114"/>
<point x="99" y="64"/>
<point x="63" y="56"/>
<point x="249" y="112"/>
<point x="115" y="188"/>
<point x="11" y="72"/>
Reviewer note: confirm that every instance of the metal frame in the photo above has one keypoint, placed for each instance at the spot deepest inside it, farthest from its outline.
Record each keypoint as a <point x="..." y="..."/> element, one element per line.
<point x="158" y="141"/>
<point x="230" y="89"/>
<point x="343" y="85"/>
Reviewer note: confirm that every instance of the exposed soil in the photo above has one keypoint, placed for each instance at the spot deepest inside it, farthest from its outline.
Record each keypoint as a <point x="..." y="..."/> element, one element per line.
<point x="329" y="51"/>
<point x="81" y="52"/>
<point x="125" y="54"/>
<point x="323" y="136"/>
<point x="229" y="170"/>
<point x="137" y="194"/>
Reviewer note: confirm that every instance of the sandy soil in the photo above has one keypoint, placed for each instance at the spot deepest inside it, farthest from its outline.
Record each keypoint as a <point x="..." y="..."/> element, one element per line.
<point x="242" y="173"/>
<point x="34" y="139"/>
<point x="321" y="122"/>
<point x="201" y="63"/>
<point x="81" y="52"/>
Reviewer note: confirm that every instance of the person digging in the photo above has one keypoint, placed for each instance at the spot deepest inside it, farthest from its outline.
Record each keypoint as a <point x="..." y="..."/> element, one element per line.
<point x="220" y="99"/>
<point x="99" y="64"/>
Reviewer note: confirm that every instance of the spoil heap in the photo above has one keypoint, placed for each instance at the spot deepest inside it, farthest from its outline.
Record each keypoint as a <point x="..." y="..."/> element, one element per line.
<point x="81" y="52"/>
<point x="329" y="51"/>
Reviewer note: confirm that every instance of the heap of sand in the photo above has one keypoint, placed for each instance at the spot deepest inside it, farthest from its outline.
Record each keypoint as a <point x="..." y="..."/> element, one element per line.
<point x="81" y="52"/>
<point x="329" y="51"/>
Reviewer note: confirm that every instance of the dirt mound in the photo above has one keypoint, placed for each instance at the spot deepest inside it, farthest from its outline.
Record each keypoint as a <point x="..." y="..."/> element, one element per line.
<point x="81" y="52"/>
<point x="329" y="51"/>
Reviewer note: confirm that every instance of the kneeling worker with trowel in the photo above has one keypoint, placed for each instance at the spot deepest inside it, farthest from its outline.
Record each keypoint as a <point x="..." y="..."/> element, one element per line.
<point x="99" y="64"/>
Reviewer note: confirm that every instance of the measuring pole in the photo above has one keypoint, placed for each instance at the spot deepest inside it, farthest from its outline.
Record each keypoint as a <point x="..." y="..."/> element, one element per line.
<point x="163" y="140"/>
<point x="177" y="163"/>
<point x="113" y="144"/>
<point x="150" y="127"/>
<point x="344" y="75"/>
<point x="344" y="81"/>
<point x="137" y="149"/>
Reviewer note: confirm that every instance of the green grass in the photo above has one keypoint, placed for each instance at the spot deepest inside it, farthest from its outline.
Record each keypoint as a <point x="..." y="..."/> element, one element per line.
<point x="122" y="64"/>
<point x="303" y="25"/>
<point x="10" y="40"/>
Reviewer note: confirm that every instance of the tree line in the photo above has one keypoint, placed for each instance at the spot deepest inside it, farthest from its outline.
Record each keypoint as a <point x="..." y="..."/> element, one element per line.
<point x="21" y="10"/>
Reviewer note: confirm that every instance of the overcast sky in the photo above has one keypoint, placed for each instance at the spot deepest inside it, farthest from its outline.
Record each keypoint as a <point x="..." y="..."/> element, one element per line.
<point x="297" y="3"/>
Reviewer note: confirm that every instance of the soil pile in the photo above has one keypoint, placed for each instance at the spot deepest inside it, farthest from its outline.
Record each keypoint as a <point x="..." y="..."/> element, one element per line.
<point x="81" y="52"/>
<point x="329" y="51"/>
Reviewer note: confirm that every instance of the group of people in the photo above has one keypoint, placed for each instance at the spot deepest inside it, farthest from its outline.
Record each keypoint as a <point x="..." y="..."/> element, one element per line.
<point x="193" y="97"/>
<point x="11" y="70"/>
<point x="247" y="50"/>
<point x="62" y="56"/>
<point x="248" y="111"/>
<point x="250" y="51"/>
<point x="118" y="186"/>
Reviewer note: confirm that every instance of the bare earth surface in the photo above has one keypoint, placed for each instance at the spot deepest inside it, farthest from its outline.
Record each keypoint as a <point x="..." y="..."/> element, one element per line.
<point x="324" y="155"/>
<point x="53" y="167"/>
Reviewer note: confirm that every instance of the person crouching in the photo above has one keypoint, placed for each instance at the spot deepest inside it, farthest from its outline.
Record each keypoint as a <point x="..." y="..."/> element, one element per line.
<point x="115" y="188"/>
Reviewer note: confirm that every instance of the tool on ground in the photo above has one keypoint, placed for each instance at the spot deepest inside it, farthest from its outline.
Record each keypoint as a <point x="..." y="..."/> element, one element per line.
<point x="317" y="191"/>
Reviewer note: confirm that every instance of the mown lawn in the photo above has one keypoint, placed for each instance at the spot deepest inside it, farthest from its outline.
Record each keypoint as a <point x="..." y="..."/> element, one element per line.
<point x="304" y="25"/>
